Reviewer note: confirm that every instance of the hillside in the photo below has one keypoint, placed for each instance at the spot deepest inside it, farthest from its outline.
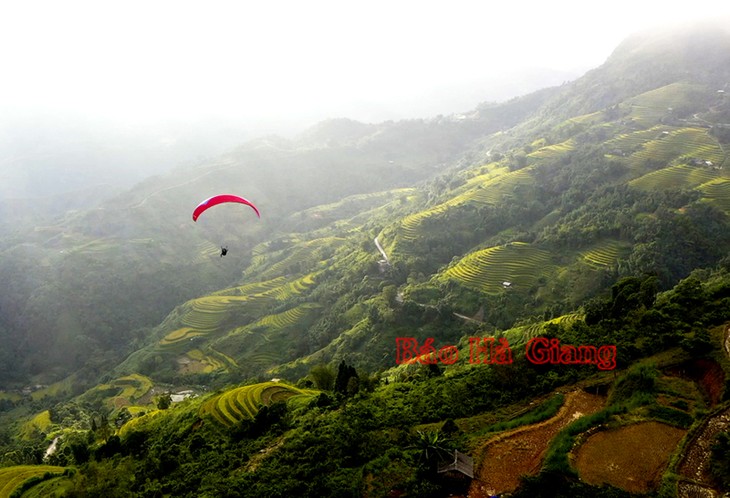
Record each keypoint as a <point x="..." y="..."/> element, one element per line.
<point x="597" y="213"/>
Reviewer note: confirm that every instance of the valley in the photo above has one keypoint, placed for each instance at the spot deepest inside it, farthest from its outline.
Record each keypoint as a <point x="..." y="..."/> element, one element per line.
<point x="594" y="213"/>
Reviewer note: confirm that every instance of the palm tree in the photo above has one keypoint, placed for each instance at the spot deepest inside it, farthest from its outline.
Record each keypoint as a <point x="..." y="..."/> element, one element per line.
<point x="432" y="448"/>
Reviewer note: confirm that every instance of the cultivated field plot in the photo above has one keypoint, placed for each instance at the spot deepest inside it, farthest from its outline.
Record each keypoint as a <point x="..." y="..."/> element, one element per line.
<point x="651" y="107"/>
<point x="717" y="193"/>
<point x="13" y="477"/>
<point x="517" y="265"/>
<point x="40" y="422"/>
<point x="411" y="227"/>
<point x="631" y="457"/>
<point x="267" y="342"/>
<point x="491" y="187"/>
<point x="604" y="254"/>
<point x="244" y="402"/>
<point x="497" y="189"/>
<point x="508" y="456"/>
<point x="204" y="316"/>
<point x="679" y="144"/>
<point x="123" y="391"/>
<point x="553" y="151"/>
<point x="196" y="361"/>
<point x="304" y="256"/>
<point x="139" y="422"/>
<point x="681" y="176"/>
<point x="523" y="333"/>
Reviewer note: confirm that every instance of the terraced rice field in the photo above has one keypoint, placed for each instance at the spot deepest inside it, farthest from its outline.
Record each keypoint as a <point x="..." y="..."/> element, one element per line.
<point x="304" y="255"/>
<point x="681" y="176"/>
<point x="410" y="227"/>
<point x="179" y="337"/>
<point x="137" y="422"/>
<point x="522" y="334"/>
<point x="517" y="265"/>
<point x="497" y="189"/>
<point x="252" y="288"/>
<point x="650" y="107"/>
<point x="244" y="402"/>
<point x="196" y="361"/>
<point x="604" y="255"/>
<point x="133" y="386"/>
<point x="717" y="192"/>
<point x="628" y="143"/>
<point x="205" y="316"/>
<point x="679" y="143"/>
<point x="292" y="288"/>
<point x="489" y="188"/>
<point x="41" y="422"/>
<point x="13" y="477"/>
<point x="553" y="151"/>
<point x="289" y="317"/>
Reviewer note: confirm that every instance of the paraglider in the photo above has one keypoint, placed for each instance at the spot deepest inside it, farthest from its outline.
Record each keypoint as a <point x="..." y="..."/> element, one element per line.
<point x="219" y="199"/>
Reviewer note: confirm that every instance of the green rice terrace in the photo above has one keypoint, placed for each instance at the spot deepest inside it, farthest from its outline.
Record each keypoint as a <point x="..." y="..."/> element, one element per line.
<point x="266" y="342"/>
<point x="206" y="315"/>
<point x="298" y="256"/>
<point x="604" y="254"/>
<point x="651" y="107"/>
<point x="490" y="187"/>
<point x="123" y="391"/>
<point x="240" y="403"/>
<point x="681" y="176"/>
<point x="717" y="192"/>
<point x="516" y="265"/>
<point x="12" y="478"/>
<point x="554" y="151"/>
<point x="680" y="144"/>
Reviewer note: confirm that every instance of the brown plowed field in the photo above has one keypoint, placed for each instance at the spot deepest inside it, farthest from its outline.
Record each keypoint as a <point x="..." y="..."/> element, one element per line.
<point x="508" y="456"/>
<point x="631" y="457"/>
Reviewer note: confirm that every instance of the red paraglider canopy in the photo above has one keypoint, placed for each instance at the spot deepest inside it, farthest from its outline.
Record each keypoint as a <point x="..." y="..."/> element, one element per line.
<point x="219" y="199"/>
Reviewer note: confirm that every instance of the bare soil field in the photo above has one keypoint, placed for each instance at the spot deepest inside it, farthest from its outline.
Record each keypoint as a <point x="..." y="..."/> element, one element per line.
<point x="508" y="456"/>
<point x="631" y="457"/>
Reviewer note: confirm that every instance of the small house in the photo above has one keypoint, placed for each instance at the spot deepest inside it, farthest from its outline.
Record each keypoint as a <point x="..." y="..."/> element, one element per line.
<point x="460" y="467"/>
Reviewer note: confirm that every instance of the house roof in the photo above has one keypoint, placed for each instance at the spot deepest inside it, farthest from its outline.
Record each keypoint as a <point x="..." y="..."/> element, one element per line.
<point x="460" y="463"/>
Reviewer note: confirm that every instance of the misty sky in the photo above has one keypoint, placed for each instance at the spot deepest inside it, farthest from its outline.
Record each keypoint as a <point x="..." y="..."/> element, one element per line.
<point x="147" y="60"/>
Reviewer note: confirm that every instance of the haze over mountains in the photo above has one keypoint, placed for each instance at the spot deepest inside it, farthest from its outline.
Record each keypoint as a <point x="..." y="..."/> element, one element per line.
<point x="596" y="210"/>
